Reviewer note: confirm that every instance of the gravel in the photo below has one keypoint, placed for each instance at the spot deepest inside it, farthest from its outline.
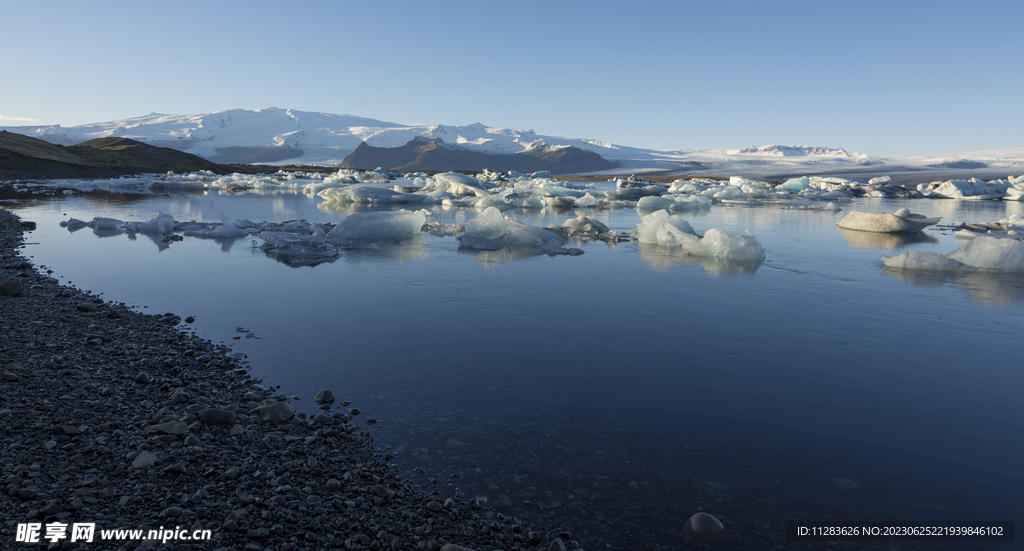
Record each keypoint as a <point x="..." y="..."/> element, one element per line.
<point x="116" y="417"/>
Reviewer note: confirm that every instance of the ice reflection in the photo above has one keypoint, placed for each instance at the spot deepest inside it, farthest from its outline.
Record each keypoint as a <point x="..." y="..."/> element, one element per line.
<point x="986" y="287"/>
<point x="867" y="239"/>
<point x="660" y="258"/>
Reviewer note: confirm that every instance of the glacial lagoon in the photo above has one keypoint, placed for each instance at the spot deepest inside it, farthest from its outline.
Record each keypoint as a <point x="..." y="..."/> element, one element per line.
<point x="617" y="392"/>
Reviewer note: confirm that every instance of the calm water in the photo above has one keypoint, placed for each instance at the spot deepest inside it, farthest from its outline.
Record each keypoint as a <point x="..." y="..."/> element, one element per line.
<point x="604" y="392"/>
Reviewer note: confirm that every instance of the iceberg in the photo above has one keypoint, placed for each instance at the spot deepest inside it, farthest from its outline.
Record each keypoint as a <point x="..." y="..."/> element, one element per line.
<point x="226" y="229"/>
<point x="673" y="202"/>
<point x="902" y="221"/>
<point x="982" y="254"/>
<point x="297" y="250"/>
<point x="490" y="231"/>
<point x="368" y="195"/>
<point x="163" y="224"/>
<point x="662" y="228"/>
<point x="379" y="226"/>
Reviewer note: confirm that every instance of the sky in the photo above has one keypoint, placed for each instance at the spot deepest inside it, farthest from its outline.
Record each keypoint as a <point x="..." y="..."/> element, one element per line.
<point x="880" y="78"/>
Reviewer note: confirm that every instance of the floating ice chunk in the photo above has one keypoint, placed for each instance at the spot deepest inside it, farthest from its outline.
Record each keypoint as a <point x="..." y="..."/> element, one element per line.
<point x="731" y="192"/>
<point x="1014" y="193"/>
<point x="664" y="229"/>
<point x="368" y="195"/>
<point x="982" y="254"/>
<point x="880" y="181"/>
<point x="296" y="249"/>
<point x="490" y="231"/>
<point x="725" y="244"/>
<point x="100" y="223"/>
<point x="739" y="181"/>
<point x="989" y="253"/>
<point x="902" y="221"/>
<point x="587" y="200"/>
<point x="796" y="184"/>
<point x="647" y="230"/>
<point x="963" y="189"/>
<point x="226" y="229"/>
<point x="457" y="184"/>
<point x="378" y="226"/>
<point x="163" y="224"/>
<point x="674" y="202"/>
<point x="922" y="260"/>
<point x="489" y="224"/>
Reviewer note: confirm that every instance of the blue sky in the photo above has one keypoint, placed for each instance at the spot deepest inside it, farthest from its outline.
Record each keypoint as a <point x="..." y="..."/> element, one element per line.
<point x="873" y="77"/>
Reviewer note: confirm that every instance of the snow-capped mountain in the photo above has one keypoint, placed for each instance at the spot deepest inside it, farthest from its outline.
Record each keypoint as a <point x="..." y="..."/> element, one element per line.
<point x="288" y="136"/>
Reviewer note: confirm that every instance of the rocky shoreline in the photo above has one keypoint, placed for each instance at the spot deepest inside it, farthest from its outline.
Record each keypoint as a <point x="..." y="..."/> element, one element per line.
<point x="124" y="420"/>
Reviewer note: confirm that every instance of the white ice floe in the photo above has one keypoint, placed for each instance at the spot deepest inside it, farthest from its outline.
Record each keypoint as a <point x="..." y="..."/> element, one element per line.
<point x="662" y="228"/>
<point x="163" y="224"/>
<point x="379" y="226"/>
<point x="225" y="229"/>
<point x="369" y="195"/>
<point x="965" y="189"/>
<point x="982" y="254"/>
<point x="674" y="202"/>
<point x="491" y="231"/>
<point x="902" y="221"/>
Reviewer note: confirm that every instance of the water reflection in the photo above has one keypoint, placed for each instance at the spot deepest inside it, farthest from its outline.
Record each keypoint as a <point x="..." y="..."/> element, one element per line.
<point x="660" y="258"/>
<point x="867" y="239"/>
<point x="985" y="287"/>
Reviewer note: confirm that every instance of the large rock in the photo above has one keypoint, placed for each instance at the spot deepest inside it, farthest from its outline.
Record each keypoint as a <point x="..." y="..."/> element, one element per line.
<point x="325" y="397"/>
<point x="10" y="288"/>
<point x="212" y="416"/>
<point x="278" y="412"/>
<point x="144" y="460"/>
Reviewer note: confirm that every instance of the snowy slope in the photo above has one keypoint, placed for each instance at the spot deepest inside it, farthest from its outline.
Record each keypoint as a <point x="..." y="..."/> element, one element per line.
<point x="320" y="138"/>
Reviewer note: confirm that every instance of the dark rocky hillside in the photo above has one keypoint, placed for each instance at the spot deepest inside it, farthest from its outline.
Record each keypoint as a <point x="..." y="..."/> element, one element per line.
<point x="424" y="154"/>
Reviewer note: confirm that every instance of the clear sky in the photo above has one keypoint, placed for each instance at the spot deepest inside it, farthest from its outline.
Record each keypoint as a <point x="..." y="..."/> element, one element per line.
<point x="873" y="77"/>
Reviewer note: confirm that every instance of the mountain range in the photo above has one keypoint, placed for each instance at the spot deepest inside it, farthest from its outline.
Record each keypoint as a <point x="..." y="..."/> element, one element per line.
<point x="286" y="136"/>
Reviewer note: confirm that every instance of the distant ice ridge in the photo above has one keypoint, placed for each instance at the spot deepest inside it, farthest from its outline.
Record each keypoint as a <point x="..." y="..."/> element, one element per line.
<point x="982" y="254"/>
<point x="662" y="228"/>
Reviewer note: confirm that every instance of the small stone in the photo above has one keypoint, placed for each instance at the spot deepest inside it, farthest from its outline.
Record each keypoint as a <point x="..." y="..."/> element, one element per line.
<point x="190" y="319"/>
<point x="705" y="525"/>
<point x="232" y="473"/>
<point x="323" y="418"/>
<point x="8" y="376"/>
<point x="142" y="378"/>
<point x="278" y="412"/>
<point x="172" y="512"/>
<point x="324" y="397"/>
<point x="10" y="288"/>
<point x="192" y="440"/>
<point x="180" y="396"/>
<point x="176" y="468"/>
<point x="26" y="494"/>
<point x="212" y="416"/>
<point x="354" y="411"/>
<point x="434" y="506"/>
<point x="144" y="460"/>
<point x="87" y="307"/>
<point x="453" y="547"/>
<point x="557" y="545"/>
<point x="449" y="503"/>
<point x="176" y="428"/>
<point x="332" y="485"/>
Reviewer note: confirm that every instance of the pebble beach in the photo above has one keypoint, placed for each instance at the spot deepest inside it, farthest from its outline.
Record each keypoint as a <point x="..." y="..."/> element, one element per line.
<point x="126" y="421"/>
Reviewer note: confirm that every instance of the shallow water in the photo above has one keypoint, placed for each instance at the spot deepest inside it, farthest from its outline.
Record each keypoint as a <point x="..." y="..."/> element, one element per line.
<point x="603" y="392"/>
